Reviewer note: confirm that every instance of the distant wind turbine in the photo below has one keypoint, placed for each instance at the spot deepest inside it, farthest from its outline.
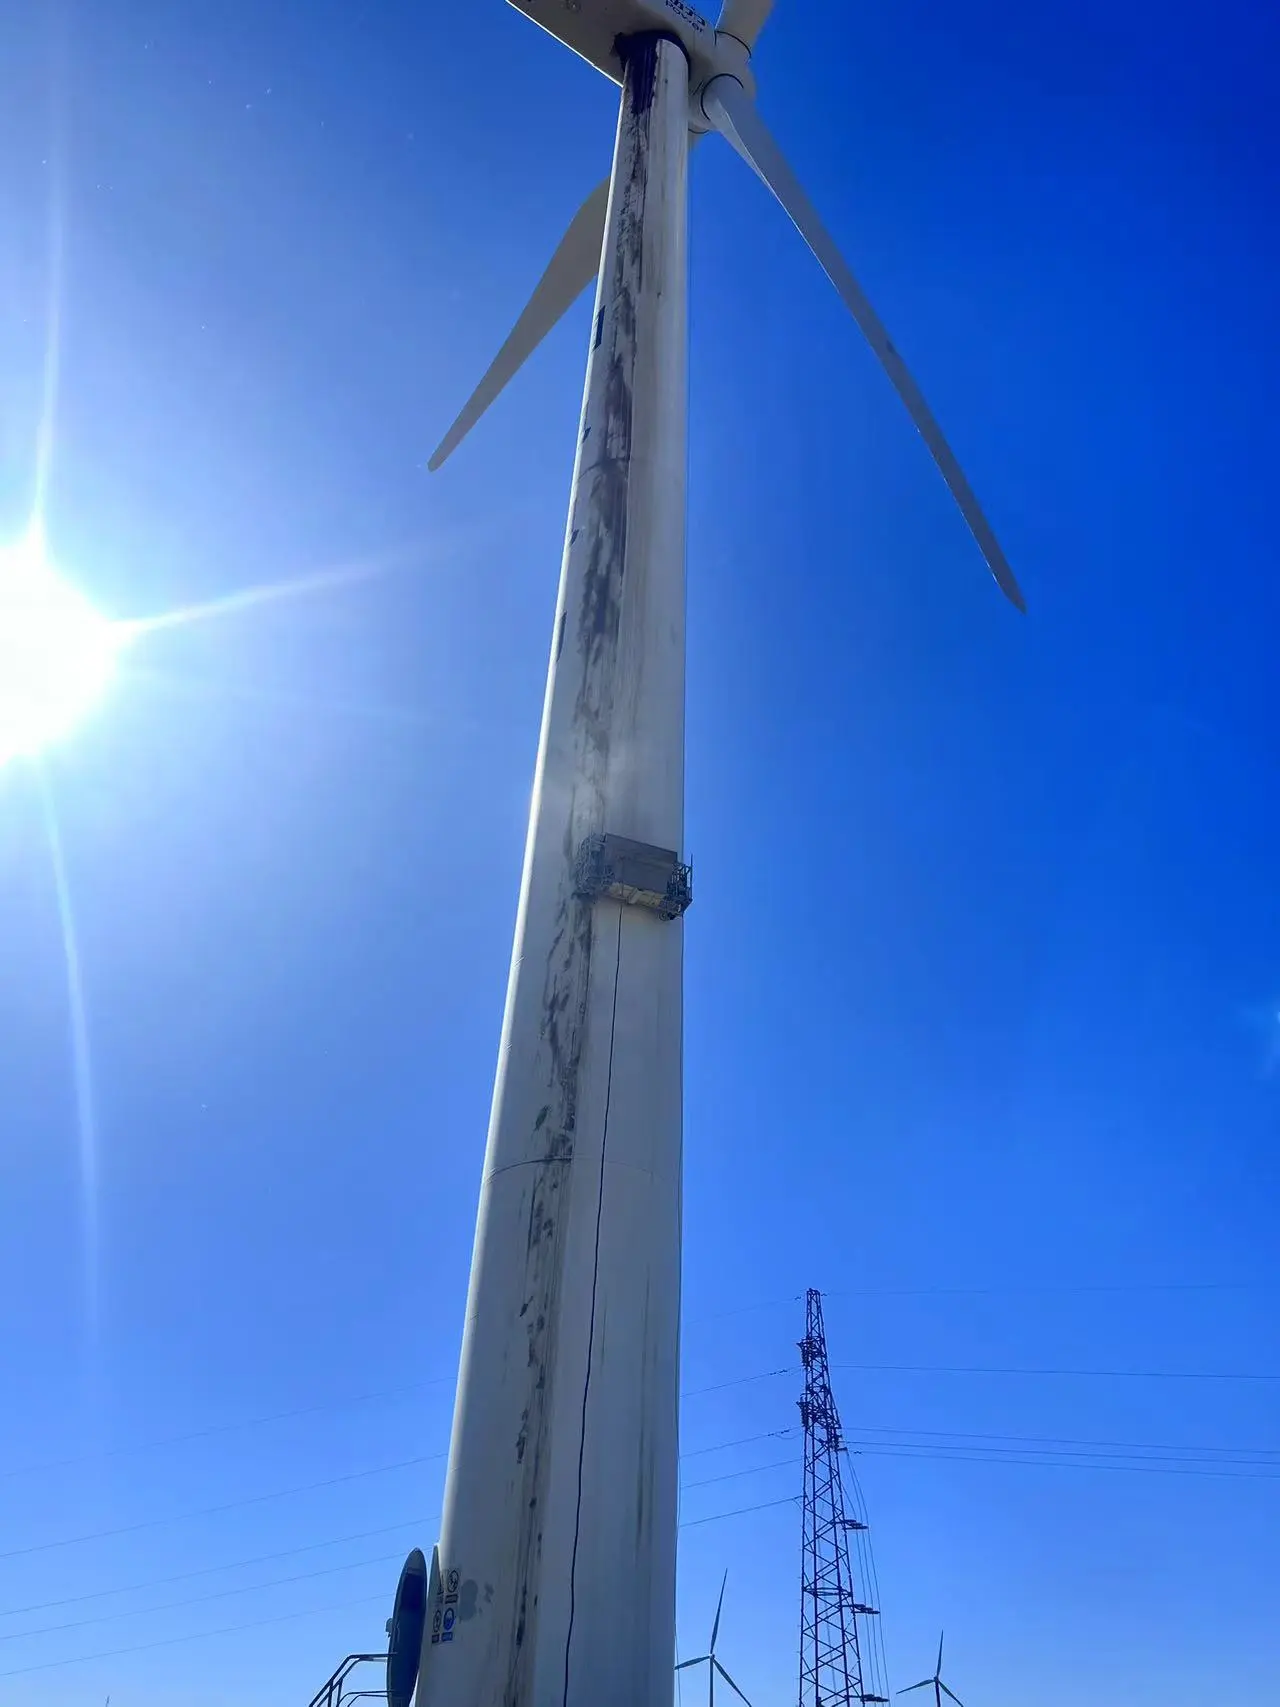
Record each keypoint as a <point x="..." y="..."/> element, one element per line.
<point x="709" y="1658"/>
<point x="939" y="1687"/>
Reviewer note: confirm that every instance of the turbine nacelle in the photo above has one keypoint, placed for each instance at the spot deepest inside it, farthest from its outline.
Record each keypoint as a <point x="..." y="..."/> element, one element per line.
<point x="593" y="29"/>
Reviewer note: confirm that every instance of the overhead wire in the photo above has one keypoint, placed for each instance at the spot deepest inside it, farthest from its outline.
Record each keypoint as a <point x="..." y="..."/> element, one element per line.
<point x="276" y="1582"/>
<point x="244" y="1424"/>
<point x="739" y="1381"/>
<point x="209" y="1570"/>
<point x="1017" y="1290"/>
<point x="1000" y="1370"/>
<point x="216" y="1510"/>
<point x="946" y="1446"/>
<point x="309" y="1547"/>
<point x="735" y="1475"/>
<point x="262" y="1623"/>
<point x="347" y="1402"/>
<point x="879" y="1679"/>
<point x="747" y="1440"/>
<point x="199" y="1636"/>
<point x="1066" y="1290"/>
<point x="1262" y="1452"/>
<point x="1238" y="1463"/>
<point x="742" y="1511"/>
<point x="1064" y="1463"/>
<point x="201" y="1599"/>
<point x="1042" y="1442"/>
<point x="1087" y="1374"/>
<point x="867" y="1568"/>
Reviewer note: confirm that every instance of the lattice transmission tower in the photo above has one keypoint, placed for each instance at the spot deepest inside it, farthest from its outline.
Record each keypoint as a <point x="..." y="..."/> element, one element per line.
<point x="841" y="1651"/>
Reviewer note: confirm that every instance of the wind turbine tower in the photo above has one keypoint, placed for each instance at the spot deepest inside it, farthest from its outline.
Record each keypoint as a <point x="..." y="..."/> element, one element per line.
<point x="553" y="1583"/>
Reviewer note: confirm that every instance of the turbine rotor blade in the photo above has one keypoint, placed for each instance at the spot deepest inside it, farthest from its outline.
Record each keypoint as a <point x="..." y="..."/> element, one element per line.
<point x="732" y="111"/>
<point x="951" y="1693"/>
<point x="926" y="1684"/>
<point x="571" y="269"/>
<point x="732" y="1685"/>
<point x="941" y="1639"/>
<point x="715" y="1628"/>
<point x="744" y="19"/>
<point x="700" y="1661"/>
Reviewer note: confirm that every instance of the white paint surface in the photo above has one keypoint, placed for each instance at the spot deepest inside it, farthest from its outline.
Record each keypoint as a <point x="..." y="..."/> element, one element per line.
<point x="560" y="1500"/>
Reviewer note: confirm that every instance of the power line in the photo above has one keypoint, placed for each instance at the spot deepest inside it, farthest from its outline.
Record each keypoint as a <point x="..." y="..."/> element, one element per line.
<point x="1262" y="1452"/>
<point x="1013" y="1290"/>
<point x="1011" y="1369"/>
<point x="948" y="1444"/>
<point x="210" y="1570"/>
<point x="741" y="1511"/>
<point x="342" y="1404"/>
<point x="902" y="1450"/>
<point x="764" y="1375"/>
<point x="747" y="1440"/>
<point x="298" y="1577"/>
<point x="350" y="1402"/>
<point x="740" y="1381"/>
<point x="346" y="1606"/>
<point x="1117" y="1288"/>
<point x="313" y="1546"/>
<point x="734" y="1475"/>
<point x="246" y="1423"/>
<point x="200" y="1636"/>
<point x="1064" y="1463"/>
<point x="1090" y="1374"/>
<point x="941" y="1445"/>
<point x="215" y="1510"/>
<point x="201" y="1599"/>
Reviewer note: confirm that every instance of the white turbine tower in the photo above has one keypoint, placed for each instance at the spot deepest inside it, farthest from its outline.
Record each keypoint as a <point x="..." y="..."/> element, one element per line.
<point x="553" y="1584"/>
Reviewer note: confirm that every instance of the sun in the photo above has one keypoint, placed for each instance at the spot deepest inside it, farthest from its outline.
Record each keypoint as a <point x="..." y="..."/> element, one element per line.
<point x="57" y="653"/>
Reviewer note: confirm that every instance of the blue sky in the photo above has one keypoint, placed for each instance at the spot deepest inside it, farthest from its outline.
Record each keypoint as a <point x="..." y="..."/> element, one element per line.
<point x="984" y="966"/>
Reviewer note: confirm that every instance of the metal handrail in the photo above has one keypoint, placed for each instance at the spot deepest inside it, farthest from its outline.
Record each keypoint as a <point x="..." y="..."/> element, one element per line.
<point x="325" y="1697"/>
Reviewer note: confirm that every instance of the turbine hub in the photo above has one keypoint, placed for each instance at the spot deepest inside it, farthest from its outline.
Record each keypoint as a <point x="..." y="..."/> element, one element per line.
<point x="592" y="29"/>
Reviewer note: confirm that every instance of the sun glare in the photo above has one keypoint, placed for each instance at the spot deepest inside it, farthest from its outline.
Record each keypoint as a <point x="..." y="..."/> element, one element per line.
<point x="57" y="653"/>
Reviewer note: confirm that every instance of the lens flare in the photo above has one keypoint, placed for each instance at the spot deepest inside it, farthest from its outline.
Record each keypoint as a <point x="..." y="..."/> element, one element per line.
<point x="57" y="653"/>
<point x="81" y="1060"/>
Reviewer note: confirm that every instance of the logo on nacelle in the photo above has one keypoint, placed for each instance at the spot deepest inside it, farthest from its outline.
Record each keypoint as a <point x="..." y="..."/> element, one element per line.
<point x="695" y="20"/>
